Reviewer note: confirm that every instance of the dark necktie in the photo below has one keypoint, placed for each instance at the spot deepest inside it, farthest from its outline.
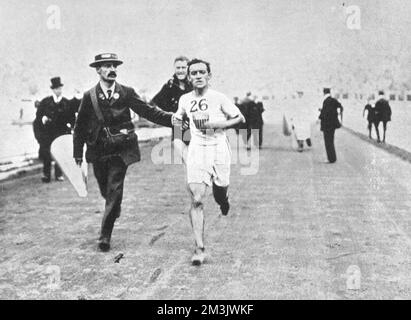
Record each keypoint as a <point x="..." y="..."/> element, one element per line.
<point x="109" y="94"/>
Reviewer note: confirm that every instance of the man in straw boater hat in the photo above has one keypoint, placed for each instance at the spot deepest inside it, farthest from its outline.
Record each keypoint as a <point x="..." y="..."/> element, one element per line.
<point x="104" y="124"/>
<point x="54" y="118"/>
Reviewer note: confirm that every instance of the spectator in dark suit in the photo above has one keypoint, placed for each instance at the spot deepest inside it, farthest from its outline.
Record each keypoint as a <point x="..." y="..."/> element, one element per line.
<point x="54" y="118"/>
<point x="382" y="114"/>
<point x="242" y="127"/>
<point x="370" y="115"/>
<point x="252" y="110"/>
<point x="113" y="102"/>
<point x="246" y="105"/>
<point x="255" y="115"/>
<point x="239" y="105"/>
<point x="330" y="122"/>
<point x="167" y="99"/>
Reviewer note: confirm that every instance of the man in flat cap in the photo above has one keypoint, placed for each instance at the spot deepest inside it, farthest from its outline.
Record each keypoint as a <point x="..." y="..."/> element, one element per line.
<point x="104" y="124"/>
<point x="330" y="122"/>
<point x="54" y="117"/>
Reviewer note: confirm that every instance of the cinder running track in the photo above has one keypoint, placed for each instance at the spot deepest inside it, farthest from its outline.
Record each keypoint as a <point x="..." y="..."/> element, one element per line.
<point x="299" y="228"/>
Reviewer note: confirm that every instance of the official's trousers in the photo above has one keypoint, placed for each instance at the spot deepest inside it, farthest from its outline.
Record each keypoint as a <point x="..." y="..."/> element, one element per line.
<point x="329" y="145"/>
<point x="110" y="174"/>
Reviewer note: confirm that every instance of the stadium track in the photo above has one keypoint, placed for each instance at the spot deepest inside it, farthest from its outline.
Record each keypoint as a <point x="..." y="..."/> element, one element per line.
<point x="293" y="232"/>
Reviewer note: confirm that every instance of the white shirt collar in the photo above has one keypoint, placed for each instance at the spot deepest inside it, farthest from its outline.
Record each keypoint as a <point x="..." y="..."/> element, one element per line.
<point x="106" y="89"/>
<point x="57" y="100"/>
<point x="327" y="95"/>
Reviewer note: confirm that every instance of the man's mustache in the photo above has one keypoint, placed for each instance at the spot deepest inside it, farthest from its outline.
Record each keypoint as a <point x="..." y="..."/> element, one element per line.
<point x="112" y="74"/>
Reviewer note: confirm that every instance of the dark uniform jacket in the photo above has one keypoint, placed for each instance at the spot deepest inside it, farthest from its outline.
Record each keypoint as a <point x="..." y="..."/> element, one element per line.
<point x="329" y="114"/>
<point x="116" y="113"/>
<point x="382" y="110"/>
<point x="59" y="114"/>
<point x="169" y="95"/>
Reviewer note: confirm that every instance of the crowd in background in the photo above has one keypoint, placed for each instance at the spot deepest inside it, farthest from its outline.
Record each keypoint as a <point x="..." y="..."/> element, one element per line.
<point x="252" y="109"/>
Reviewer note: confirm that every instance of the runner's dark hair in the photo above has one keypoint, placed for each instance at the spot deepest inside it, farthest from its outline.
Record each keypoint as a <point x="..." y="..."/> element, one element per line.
<point x="195" y="60"/>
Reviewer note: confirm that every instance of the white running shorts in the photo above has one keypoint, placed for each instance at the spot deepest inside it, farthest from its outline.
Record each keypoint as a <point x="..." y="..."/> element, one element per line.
<point x="208" y="164"/>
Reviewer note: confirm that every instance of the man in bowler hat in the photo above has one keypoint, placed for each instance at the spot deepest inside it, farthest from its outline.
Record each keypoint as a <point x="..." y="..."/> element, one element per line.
<point x="54" y="117"/>
<point x="113" y="101"/>
<point x="330" y="122"/>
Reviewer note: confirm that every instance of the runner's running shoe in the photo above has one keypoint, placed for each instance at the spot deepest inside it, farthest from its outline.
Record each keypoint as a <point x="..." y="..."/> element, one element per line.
<point x="225" y="207"/>
<point x="198" y="257"/>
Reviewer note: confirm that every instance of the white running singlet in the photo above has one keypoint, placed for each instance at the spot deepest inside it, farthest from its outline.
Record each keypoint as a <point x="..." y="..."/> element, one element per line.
<point x="209" y="154"/>
<point x="213" y="106"/>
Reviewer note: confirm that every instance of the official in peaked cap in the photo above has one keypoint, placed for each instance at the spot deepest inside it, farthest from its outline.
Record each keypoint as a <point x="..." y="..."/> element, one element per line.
<point x="105" y="57"/>
<point x="114" y="101"/>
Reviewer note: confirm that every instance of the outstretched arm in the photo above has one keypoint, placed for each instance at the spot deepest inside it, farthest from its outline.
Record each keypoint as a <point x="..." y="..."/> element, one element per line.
<point x="179" y="115"/>
<point x="153" y="114"/>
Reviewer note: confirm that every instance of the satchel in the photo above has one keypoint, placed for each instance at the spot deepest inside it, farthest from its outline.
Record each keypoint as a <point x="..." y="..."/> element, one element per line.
<point x="117" y="139"/>
<point x="113" y="139"/>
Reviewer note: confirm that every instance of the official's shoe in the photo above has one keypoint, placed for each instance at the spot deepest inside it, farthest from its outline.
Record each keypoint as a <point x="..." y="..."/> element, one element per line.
<point x="308" y="141"/>
<point x="104" y="245"/>
<point x="225" y="207"/>
<point x="198" y="257"/>
<point x="45" y="179"/>
<point x="60" y="178"/>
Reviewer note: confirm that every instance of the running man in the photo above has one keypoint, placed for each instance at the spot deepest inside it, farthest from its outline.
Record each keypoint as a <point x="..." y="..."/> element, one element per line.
<point x="209" y="155"/>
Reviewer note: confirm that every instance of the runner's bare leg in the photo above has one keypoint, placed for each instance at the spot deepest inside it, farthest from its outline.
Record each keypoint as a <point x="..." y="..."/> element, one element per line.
<point x="198" y="192"/>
